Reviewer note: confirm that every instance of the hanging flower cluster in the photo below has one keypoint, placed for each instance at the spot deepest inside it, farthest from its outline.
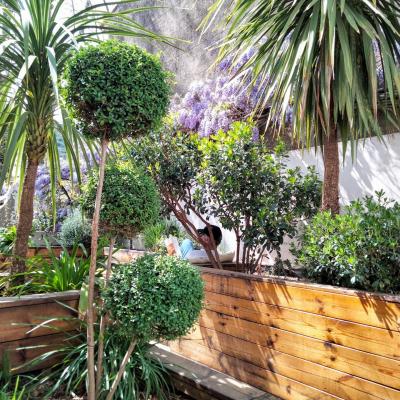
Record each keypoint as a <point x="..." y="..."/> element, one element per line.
<point x="66" y="193"/>
<point x="214" y="104"/>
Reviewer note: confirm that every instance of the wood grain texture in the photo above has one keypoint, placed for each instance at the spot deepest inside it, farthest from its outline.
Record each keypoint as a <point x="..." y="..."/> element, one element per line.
<point x="35" y="324"/>
<point x="362" y="308"/>
<point x="382" y="370"/>
<point x="346" y="333"/>
<point x="23" y="322"/>
<point x="266" y="380"/>
<point x="319" y="341"/>
<point x="343" y="385"/>
<point x="42" y="298"/>
<point x="21" y="352"/>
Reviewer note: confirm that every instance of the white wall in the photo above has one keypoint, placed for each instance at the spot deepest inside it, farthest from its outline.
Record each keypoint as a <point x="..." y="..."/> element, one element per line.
<point x="376" y="167"/>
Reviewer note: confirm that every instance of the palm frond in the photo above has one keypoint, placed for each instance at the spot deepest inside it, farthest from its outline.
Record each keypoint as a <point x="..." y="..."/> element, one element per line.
<point x="36" y="40"/>
<point x="333" y="63"/>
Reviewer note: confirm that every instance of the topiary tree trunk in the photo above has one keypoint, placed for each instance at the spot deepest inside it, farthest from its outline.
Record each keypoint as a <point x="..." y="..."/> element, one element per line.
<point x="92" y="273"/>
<point x="103" y="321"/>
<point x="136" y="92"/>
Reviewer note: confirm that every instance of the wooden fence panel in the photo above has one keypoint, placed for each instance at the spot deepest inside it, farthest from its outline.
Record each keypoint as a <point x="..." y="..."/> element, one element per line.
<point x="35" y="324"/>
<point x="295" y="339"/>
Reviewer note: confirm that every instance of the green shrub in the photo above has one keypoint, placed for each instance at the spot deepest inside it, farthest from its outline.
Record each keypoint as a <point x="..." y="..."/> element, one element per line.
<point x="156" y="297"/>
<point x="12" y="392"/>
<point x="75" y="230"/>
<point x="115" y="90"/>
<point x="144" y="376"/>
<point x="7" y="239"/>
<point x="234" y="178"/>
<point x="56" y="274"/>
<point x="130" y="201"/>
<point x="359" y="249"/>
<point x="155" y="235"/>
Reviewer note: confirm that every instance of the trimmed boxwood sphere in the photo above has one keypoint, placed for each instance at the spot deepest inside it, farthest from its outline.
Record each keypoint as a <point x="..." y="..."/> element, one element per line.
<point x="156" y="297"/>
<point x="129" y="203"/>
<point x="115" y="90"/>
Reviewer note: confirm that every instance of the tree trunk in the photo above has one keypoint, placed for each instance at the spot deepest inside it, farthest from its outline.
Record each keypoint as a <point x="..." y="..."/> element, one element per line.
<point x="103" y="322"/>
<point x="121" y="370"/>
<point x="25" y="219"/>
<point x="330" y="192"/>
<point x="92" y="274"/>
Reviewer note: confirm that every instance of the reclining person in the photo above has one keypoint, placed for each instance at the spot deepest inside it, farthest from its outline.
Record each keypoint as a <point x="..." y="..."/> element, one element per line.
<point x="187" y="249"/>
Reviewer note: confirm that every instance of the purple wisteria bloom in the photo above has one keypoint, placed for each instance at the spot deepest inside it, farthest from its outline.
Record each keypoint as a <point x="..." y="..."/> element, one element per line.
<point x="214" y="104"/>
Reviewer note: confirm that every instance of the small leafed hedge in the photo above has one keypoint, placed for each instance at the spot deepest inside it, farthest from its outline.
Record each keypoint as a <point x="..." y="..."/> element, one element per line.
<point x="130" y="201"/>
<point x="154" y="298"/>
<point x="358" y="249"/>
<point x="116" y="89"/>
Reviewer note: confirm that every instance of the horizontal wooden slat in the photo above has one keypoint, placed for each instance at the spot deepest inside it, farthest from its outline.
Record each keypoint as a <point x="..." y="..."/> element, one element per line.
<point x="358" y="336"/>
<point x="20" y="352"/>
<point x="17" y="321"/>
<point x="20" y="335"/>
<point x="269" y="381"/>
<point x="360" y="308"/>
<point x="301" y="283"/>
<point x="43" y="298"/>
<point x="343" y="385"/>
<point x="378" y="369"/>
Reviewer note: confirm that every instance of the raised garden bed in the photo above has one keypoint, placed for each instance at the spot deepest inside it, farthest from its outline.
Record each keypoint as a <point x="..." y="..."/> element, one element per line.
<point x="44" y="251"/>
<point x="37" y="251"/>
<point x="20" y="315"/>
<point x="298" y="340"/>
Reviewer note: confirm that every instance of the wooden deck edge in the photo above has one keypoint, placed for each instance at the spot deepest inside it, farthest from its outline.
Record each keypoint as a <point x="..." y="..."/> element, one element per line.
<point x="204" y="383"/>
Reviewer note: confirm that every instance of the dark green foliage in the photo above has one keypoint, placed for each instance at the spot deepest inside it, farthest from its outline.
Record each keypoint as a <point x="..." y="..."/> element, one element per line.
<point x="359" y="249"/>
<point x="232" y="177"/>
<point x="155" y="235"/>
<point x="116" y="90"/>
<point x="12" y="390"/>
<point x="249" y="188"/>
<point x="143" y="377"/>
<point x="172" y="158"/>
<point x="7" y="239"/>
<point x="56" y="274"/>
<point x="75" y="230"/>
<point x="156" y="297"/>
<point x="130" y="201"/>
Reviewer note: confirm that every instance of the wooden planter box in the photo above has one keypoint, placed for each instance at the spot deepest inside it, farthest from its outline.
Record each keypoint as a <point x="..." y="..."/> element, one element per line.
<point x="5" y="261"/>
<point x="297" y="340"/>
<point x="19" y="315"/>
<point x="44" y="251"/>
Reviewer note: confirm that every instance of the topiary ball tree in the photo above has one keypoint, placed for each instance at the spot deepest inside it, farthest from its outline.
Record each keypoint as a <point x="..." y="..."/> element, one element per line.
<point x="114" y="90"/>
<point x="130" y="200"/>
<point x="156" y="297"/>
<point x="130" y="204"/>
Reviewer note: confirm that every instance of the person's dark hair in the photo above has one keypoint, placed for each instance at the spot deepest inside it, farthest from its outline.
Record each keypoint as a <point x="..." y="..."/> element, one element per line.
<point x="215" y="230"/>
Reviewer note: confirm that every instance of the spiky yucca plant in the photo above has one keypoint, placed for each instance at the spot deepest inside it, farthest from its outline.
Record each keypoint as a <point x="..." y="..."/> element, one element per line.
<point x="36" y="40"/>
<point x="334" y="62"/>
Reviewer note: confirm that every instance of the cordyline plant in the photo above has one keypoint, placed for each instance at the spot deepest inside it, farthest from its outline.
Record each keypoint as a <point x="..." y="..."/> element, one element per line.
<point x="36" y="41"/>
<point x="115" y="90"/>
<point x="130" y="204"/>
<point x="235" y="177"/>
<point x="335" y="63"/>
